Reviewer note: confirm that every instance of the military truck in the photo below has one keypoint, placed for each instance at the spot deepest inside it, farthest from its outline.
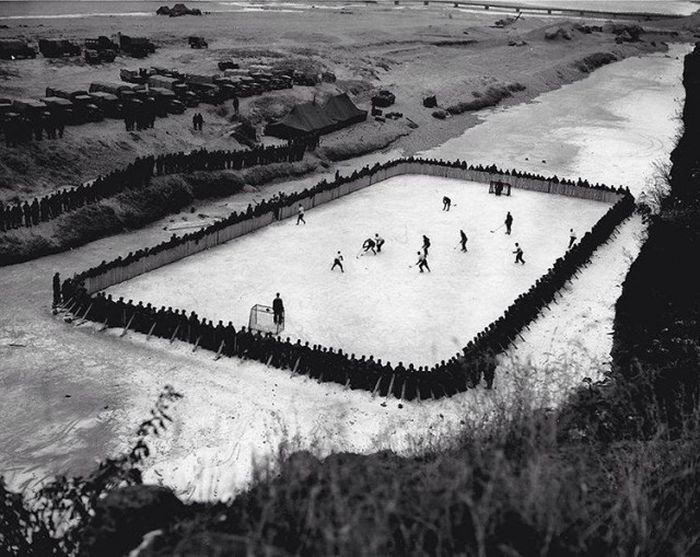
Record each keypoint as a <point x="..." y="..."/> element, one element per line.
<point x="12" y="49"/>
<point x="109" y="104"/>
<point x="137" y="47"/>
<point x="166" y="101"/>
<point x="181" y="90"/>
<point x="58" y="48"/>
<point x="383" y="99"/>
<point x="227" y="65"/>
<point x="61" y="109"/>
<point x="84" y="108"/>
<point x="139" y="76"/>
<point x="33" y="112"/>
<point x="197" y="42"/>
<point x="99" y="56"/>
<point x="117" y="89"/>
<point x="101" y="43"/>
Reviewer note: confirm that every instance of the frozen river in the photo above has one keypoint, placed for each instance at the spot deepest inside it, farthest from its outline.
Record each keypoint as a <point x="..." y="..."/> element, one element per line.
<point x="83" y="393"/>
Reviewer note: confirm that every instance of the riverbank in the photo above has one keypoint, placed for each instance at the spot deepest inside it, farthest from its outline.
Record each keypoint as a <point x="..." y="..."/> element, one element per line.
<point x="459" y="58"/>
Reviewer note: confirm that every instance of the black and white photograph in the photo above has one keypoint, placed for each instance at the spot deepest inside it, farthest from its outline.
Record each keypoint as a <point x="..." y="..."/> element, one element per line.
<point x="350" y="277"/>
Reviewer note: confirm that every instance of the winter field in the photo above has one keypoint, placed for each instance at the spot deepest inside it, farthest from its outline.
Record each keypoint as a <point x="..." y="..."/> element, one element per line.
<point x="380" y="305"/>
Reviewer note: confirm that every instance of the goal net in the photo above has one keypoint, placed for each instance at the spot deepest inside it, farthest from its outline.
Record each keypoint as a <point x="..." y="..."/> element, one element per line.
<point x="499" y="188"/>
<point x="262" y="319"/>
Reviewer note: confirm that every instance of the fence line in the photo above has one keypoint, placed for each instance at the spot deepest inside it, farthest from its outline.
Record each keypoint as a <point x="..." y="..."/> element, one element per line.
<point x="217" y="236"/>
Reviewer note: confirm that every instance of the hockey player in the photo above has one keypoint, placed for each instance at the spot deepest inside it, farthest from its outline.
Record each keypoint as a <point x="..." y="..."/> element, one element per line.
<point x="379" y="242"/>
<point x="446" y="203"/>
<point x="508" y="222"/>
<point x="278" y="310"/>
<point x="463" y="240"/>
<point x="518" y="254"/>
<point x="426" y="244"/>
<point x="338" y="262"/>
<point x="572" y="238"/>
<point x="300" y="214"/>
<point x="422" y="262"/>
<point x="368" y="245"/>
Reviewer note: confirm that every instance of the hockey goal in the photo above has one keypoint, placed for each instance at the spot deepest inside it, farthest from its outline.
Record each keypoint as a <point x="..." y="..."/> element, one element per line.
<point x="262" y="319"/>
<point x="499" y="188"/>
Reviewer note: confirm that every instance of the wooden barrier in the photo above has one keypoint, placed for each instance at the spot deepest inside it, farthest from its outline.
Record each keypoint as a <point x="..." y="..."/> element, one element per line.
<point x="219" y="236"/>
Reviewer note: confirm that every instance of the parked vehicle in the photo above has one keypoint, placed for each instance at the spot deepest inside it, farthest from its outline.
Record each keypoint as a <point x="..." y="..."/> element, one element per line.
<point x="117" y="89"/>
<point x="138" y="47"/>
<point x="12" y="49"/>
<point x="166" y="101"/>
<point x="227" y="65"/>
<point x="109" y="104"/>
<point x="33" y="110"/>
<point x="60" y="108"/>
<point x="383" y="99"/>
<point x="139" y="76"/>
<point x="197" y="42"/>
<point x="99" y="56"/>
<point x="57" y="48"/>
<point x="101" y="43"/>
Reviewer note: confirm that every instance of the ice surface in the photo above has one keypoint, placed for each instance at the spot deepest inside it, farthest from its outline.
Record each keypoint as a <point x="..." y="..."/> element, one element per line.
<point x="380" y="305"/>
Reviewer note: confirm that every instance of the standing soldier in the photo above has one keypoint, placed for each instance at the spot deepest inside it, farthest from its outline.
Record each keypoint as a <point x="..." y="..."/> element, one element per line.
<point x="508" y="222"/>
<point x="278" y="310"/>
<point x="56" y="290"/>
<point x="518" y="254"/>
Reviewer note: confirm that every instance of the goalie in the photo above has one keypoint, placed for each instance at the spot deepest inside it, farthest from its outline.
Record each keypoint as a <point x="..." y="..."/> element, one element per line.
<point x="278" y="310"/>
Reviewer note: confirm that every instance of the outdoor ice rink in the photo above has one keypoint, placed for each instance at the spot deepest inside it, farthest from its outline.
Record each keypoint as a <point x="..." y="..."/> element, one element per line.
<point x="379" y="305"/>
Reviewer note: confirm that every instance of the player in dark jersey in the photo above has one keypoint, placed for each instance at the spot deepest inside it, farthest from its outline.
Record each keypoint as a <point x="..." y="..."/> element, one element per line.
<point x="518" y="254"/>
<point x="368" y="245"/>
<point x="426" y="244"/>
<point x="379" y="242"/>
<point x="463" y="240"/>
<point x="278" y="310"/>
<point x="338" y="262"/>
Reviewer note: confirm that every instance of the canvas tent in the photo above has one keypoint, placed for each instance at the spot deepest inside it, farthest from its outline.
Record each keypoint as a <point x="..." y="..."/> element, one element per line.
<point x="312" y="119"/>
<point x="343" y="111"/>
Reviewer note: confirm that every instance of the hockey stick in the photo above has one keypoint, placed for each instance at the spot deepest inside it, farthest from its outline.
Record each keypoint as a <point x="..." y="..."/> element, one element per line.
<point x="497" y="228"/>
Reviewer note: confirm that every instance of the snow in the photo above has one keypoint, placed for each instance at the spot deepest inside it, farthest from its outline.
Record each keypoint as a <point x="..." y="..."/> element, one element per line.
<point x="380" y="305"/>
<point x="234" y="411"/>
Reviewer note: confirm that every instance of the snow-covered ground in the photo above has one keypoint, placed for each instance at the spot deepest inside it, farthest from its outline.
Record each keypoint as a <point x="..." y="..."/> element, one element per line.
<point x="84" y="392"/>
<point x="380" y="305"/>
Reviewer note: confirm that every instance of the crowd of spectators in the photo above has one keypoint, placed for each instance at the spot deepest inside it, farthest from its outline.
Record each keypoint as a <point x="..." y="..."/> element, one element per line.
<point x="476" y="363"/>
<point x="139" y="173"/>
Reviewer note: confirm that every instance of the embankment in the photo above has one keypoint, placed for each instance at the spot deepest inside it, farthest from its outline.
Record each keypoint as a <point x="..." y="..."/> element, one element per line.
<point x="138" y="207"/>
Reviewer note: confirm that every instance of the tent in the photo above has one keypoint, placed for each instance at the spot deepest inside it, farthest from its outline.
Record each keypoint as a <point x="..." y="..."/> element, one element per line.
<point x="343" y="111"/>
<point x="311" y="119"/>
